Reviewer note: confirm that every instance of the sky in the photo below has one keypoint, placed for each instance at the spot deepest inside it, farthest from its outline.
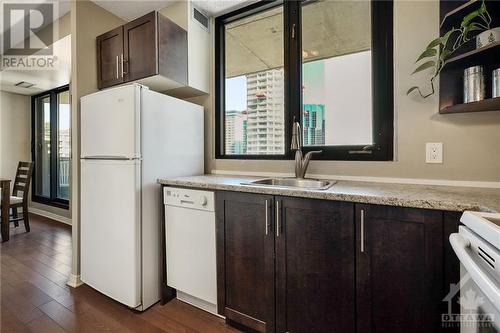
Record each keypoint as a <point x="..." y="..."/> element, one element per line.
<point x="314" y="82"/>
<point x="236" y="93"/>
<point x="64" y="114"/>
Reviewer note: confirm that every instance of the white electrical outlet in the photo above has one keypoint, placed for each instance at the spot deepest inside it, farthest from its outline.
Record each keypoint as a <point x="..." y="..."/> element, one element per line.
<point x="434" y="152"/>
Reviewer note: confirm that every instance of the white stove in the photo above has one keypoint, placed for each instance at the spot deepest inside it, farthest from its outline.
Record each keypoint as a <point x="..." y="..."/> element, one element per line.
<point x="477" y="246"/>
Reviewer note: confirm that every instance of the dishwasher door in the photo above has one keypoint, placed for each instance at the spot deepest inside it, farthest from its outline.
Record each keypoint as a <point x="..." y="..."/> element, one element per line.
<point x="190" y="246"/>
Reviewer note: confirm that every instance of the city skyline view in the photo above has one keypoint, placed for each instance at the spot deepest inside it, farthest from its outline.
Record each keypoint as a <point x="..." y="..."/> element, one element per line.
<point x="255" y="106"/>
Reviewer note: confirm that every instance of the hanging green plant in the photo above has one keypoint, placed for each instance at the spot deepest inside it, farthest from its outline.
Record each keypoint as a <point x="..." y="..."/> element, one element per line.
<point x="440" y="49"/>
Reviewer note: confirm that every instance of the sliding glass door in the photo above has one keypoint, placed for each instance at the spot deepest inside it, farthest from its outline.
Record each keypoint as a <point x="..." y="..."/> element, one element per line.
<point x="51" y="147"/>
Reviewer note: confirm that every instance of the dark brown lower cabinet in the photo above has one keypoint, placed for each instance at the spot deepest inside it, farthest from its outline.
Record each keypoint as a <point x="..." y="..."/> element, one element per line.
<point x="314" y="266"/>
<point x="285" y="264"/>
<point x="399" y="269"/>
<point x="305" y="265"/>
<point x="245" y="260"/>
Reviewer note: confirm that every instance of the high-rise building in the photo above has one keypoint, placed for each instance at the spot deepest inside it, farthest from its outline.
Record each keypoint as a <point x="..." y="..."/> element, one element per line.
<point x="236" y="136"/>
<point x="313" y="124"/>
<point x="265" y="107"/>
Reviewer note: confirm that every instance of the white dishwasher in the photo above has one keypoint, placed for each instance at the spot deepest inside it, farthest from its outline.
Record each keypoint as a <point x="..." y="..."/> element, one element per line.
<point x="190" y="246"/>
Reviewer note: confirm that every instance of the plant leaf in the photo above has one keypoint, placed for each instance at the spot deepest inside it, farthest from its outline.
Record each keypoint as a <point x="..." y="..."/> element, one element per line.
<point x="434" y="43"/>
<point x="444" y="54"/>
<point x="424" y="66"/>
<point x="426" y="54"/>
<point x="482" y="9"/>
<point x="474" y="27"/>
<point x="469" y="18"/>
<point x="410" y="90"/>
<point x="446" y="36"/>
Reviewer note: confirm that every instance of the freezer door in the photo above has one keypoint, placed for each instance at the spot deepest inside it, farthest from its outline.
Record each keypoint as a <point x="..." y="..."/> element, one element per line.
<point x="110" y="123"/>
<point x="110" y="229"/>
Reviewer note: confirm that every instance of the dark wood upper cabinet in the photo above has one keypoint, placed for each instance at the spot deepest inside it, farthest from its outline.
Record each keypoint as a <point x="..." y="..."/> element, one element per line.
<point x="151" y="48"/>
<point x="140" y="47"/>
<point x="315" y="289"/>
<point x="109" y="53"/>
<point x="399" y="273"/>
<point x="245" y="272"/>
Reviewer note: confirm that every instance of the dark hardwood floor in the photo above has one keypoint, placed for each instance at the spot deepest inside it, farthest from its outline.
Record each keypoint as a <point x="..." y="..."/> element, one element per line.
<point x="35" y="298"/>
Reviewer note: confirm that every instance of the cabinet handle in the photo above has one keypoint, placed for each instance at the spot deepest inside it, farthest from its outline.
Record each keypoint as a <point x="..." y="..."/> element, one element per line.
<point x="362" y="234"/>
<point x="267" y="217"/>
<point x="117" y="67"/>
<point x="122" y="61"/>
<point x="277" y="218"/>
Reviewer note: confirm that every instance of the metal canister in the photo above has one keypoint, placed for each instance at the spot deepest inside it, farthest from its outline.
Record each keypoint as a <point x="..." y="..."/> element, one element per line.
<point x="474" y="89"/>
<point x="495" y="80"/>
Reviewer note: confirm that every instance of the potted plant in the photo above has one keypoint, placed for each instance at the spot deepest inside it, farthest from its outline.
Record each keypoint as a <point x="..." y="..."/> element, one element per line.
<point x="440" y="49"/>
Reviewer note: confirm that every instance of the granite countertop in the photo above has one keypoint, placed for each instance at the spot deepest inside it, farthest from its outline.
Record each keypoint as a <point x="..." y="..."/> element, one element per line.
<point x="451" y="198"/>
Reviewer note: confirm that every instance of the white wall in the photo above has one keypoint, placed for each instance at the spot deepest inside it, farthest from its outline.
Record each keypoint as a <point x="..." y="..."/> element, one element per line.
<point x="15" y="132"/>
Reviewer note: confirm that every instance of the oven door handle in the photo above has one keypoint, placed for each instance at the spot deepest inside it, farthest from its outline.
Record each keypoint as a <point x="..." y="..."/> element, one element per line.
<point x="489" y="288"/>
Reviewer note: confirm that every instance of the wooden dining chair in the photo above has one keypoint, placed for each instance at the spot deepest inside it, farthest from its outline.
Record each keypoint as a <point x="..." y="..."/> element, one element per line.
<point x="19" y="198"/>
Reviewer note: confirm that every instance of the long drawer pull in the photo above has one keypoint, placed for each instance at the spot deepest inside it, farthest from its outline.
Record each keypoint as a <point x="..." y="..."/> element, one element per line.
<point x="267" y="217"/>
<point x="278" y="219"/>
<point x="362" y="237"/>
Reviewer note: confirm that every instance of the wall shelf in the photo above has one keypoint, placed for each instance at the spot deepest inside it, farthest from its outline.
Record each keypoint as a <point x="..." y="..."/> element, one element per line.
<point x="451" y="84"/>
<point x="456" y="15"/>
<point x="490" y="104"/>
<point x="477" y="56"/>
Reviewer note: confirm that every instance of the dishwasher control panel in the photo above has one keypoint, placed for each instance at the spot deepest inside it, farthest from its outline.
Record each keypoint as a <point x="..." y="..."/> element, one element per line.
<point x="194" y="199"/>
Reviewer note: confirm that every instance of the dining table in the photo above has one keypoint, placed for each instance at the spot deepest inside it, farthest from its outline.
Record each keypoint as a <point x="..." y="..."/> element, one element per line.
<point x="5" y="203"/>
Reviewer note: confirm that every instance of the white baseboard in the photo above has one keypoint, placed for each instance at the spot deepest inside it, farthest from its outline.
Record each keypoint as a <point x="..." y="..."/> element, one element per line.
<point x="58" y="218"/>
<point x="415" y="181"/>
<point x="74" y="281"/>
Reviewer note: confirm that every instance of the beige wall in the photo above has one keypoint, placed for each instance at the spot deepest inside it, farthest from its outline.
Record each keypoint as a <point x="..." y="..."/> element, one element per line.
<point x="15" y="132"/>
<point x="87" y="22"/>
<point x="471" y="141"/>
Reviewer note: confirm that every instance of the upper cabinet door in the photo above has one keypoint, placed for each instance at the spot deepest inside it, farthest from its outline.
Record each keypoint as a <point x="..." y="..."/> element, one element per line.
<point x="109" y="53"/>
<point x="314" y="266"/>
<point x="245" y="263"/>
<point x="399" y="269"/>
<point x="140" y="45"/>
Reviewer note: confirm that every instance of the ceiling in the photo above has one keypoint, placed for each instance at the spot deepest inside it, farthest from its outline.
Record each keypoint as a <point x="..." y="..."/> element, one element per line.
<point x="43" y="80"/>
<point x="135" y="8"/>
<point x="329" y="29"/>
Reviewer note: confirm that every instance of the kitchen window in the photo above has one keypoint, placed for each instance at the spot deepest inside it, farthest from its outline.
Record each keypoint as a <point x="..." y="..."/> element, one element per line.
<point x="51" y="147"/>
<point x="326" y="64"/>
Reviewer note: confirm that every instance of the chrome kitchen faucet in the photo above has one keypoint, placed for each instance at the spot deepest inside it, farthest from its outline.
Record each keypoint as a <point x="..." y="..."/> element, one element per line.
<point x="301" y="162"/>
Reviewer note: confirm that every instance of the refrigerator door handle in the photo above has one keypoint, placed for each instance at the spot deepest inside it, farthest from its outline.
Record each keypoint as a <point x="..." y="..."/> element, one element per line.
<point x="103" y="157"/>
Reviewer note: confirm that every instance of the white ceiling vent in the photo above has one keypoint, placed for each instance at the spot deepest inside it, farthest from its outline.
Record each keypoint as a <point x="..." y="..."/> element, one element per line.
<point x="199" y="17"/>
<point x="24" y="84"/>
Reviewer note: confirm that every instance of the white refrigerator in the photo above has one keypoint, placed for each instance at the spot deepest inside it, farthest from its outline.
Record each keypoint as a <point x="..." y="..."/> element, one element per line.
<point x="130" y="137"/>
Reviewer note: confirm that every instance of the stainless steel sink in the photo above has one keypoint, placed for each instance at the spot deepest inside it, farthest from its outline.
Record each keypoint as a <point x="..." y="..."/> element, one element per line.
<point x="308" y="184"/>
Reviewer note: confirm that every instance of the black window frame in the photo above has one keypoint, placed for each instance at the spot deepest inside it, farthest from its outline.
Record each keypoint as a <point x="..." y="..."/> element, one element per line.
<point x="54" y="130"/>
<point x="382" y="84"/>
